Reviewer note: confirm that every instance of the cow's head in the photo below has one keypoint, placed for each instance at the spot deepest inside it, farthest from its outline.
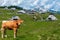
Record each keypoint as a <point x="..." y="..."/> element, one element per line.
<point x="19" y="21"/>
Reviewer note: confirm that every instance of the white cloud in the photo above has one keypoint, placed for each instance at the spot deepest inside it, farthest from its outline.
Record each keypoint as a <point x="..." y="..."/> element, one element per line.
<point x="20" y="1"/>
<point x="43" y="2"/>
<point x="58" y="3"/>
<point x="56" y="6"/>
<point x="4" y="1"/>
<point x="49" y="5"/>
<point x="35" y="2"/>
<point x="14" y="2"/>
<point x="10" y="2"/>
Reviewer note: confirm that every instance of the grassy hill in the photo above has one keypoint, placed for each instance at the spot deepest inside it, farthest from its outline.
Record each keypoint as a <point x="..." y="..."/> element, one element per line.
<point x="30" y="29"/>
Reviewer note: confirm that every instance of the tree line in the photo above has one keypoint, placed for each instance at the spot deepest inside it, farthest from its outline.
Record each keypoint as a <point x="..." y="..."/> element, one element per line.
<point x="19" y="8"/>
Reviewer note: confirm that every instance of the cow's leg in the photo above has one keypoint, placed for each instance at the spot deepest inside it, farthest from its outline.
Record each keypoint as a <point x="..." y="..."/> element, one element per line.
<point x="2" y="32"/>
<point x="5" y="33"/>
<point x="15" y="32"/>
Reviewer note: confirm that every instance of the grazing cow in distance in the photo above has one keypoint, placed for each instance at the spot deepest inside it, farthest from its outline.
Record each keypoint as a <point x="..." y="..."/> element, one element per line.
<point x="10" y="24"/>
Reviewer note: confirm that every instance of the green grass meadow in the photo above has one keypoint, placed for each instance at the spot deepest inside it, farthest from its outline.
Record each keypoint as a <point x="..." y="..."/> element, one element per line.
<point x="30" y="29"/>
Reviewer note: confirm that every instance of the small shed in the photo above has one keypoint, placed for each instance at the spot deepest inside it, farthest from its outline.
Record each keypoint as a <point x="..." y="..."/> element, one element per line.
<point x="21" y="11"/>
<point x="13" y="8"/>
<point x="15" y="18"/>
<point x="51" y="17"/>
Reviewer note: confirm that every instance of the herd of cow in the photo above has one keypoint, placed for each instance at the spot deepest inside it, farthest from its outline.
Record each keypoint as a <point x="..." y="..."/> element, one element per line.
<point x="11" y="25"/>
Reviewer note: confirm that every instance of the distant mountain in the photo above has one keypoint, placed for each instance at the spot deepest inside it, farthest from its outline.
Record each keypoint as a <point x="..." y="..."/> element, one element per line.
<point x="20" y="8"/>
<point x="38" y="5"/>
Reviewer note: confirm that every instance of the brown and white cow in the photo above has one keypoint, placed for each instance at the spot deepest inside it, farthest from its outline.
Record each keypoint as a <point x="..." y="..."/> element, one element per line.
<point x="10" y="24"/>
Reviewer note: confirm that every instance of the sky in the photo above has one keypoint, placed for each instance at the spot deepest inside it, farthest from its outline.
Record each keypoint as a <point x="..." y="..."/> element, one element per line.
<point x="32" y="4"/>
